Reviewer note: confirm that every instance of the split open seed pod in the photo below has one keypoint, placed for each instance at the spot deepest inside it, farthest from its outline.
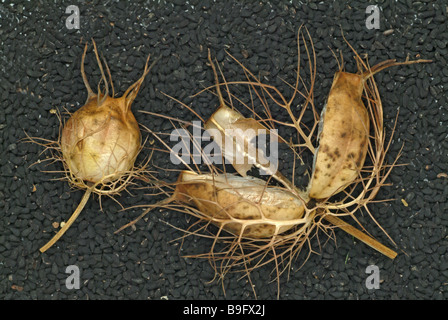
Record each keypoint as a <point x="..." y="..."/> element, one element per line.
<point x="236" y="134"/>
<point x="228" y="125"/>
<point x="243" y="206"/>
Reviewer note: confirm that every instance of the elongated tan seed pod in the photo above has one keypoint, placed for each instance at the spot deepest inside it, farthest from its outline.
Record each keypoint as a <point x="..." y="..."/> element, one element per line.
<point x="240" y="204"/>
<point x="344" y="132"/>
<point x="343" y="138"/>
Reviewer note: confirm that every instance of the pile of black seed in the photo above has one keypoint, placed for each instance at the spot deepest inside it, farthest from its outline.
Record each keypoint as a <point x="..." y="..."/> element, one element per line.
<point x="40" y="73"/>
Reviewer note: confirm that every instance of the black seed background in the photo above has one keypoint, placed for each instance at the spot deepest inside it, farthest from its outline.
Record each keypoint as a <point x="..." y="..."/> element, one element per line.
<point x="40" y="70"/>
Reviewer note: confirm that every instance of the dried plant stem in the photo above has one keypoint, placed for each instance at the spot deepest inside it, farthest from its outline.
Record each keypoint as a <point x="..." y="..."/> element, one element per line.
<point x="360" y="236"/>
<point x="70" y="221"/>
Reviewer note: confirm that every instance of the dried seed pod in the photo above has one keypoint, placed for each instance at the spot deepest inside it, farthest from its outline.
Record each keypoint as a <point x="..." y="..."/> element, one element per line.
<point x="343" y="133"/>
<point x="244" y="206"/>
<point x="100" y="142"/>
<point x="229" y="125"/>
<point x="343" y="137"/>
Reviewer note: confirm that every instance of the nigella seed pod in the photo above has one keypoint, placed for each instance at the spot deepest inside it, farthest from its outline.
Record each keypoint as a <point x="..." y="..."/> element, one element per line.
<point x="344" y="132"/>
<point x="343" y="140"/>
<point x="100" y="141"/>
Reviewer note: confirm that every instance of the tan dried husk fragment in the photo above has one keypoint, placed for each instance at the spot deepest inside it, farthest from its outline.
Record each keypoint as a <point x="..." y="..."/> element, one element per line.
<point x="99" y="143"/>
<point x="218" y="198"/>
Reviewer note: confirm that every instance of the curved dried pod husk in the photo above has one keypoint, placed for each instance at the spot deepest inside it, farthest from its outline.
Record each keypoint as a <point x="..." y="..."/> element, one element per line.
<point x="344" y="130"/>
<point x="246" y="207"/>
<point x="235" y="133"/>
<point x="226" y="123"/>
<point x="100" y="142"/>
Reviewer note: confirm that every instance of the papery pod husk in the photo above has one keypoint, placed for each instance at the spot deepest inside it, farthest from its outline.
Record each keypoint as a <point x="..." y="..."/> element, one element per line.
<point x="231" y="202"/>
<point x="344" y="131"/>
<point x="228" y="123"/>
<point x="343" y="137"/>
<point x="220" y="126"/>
